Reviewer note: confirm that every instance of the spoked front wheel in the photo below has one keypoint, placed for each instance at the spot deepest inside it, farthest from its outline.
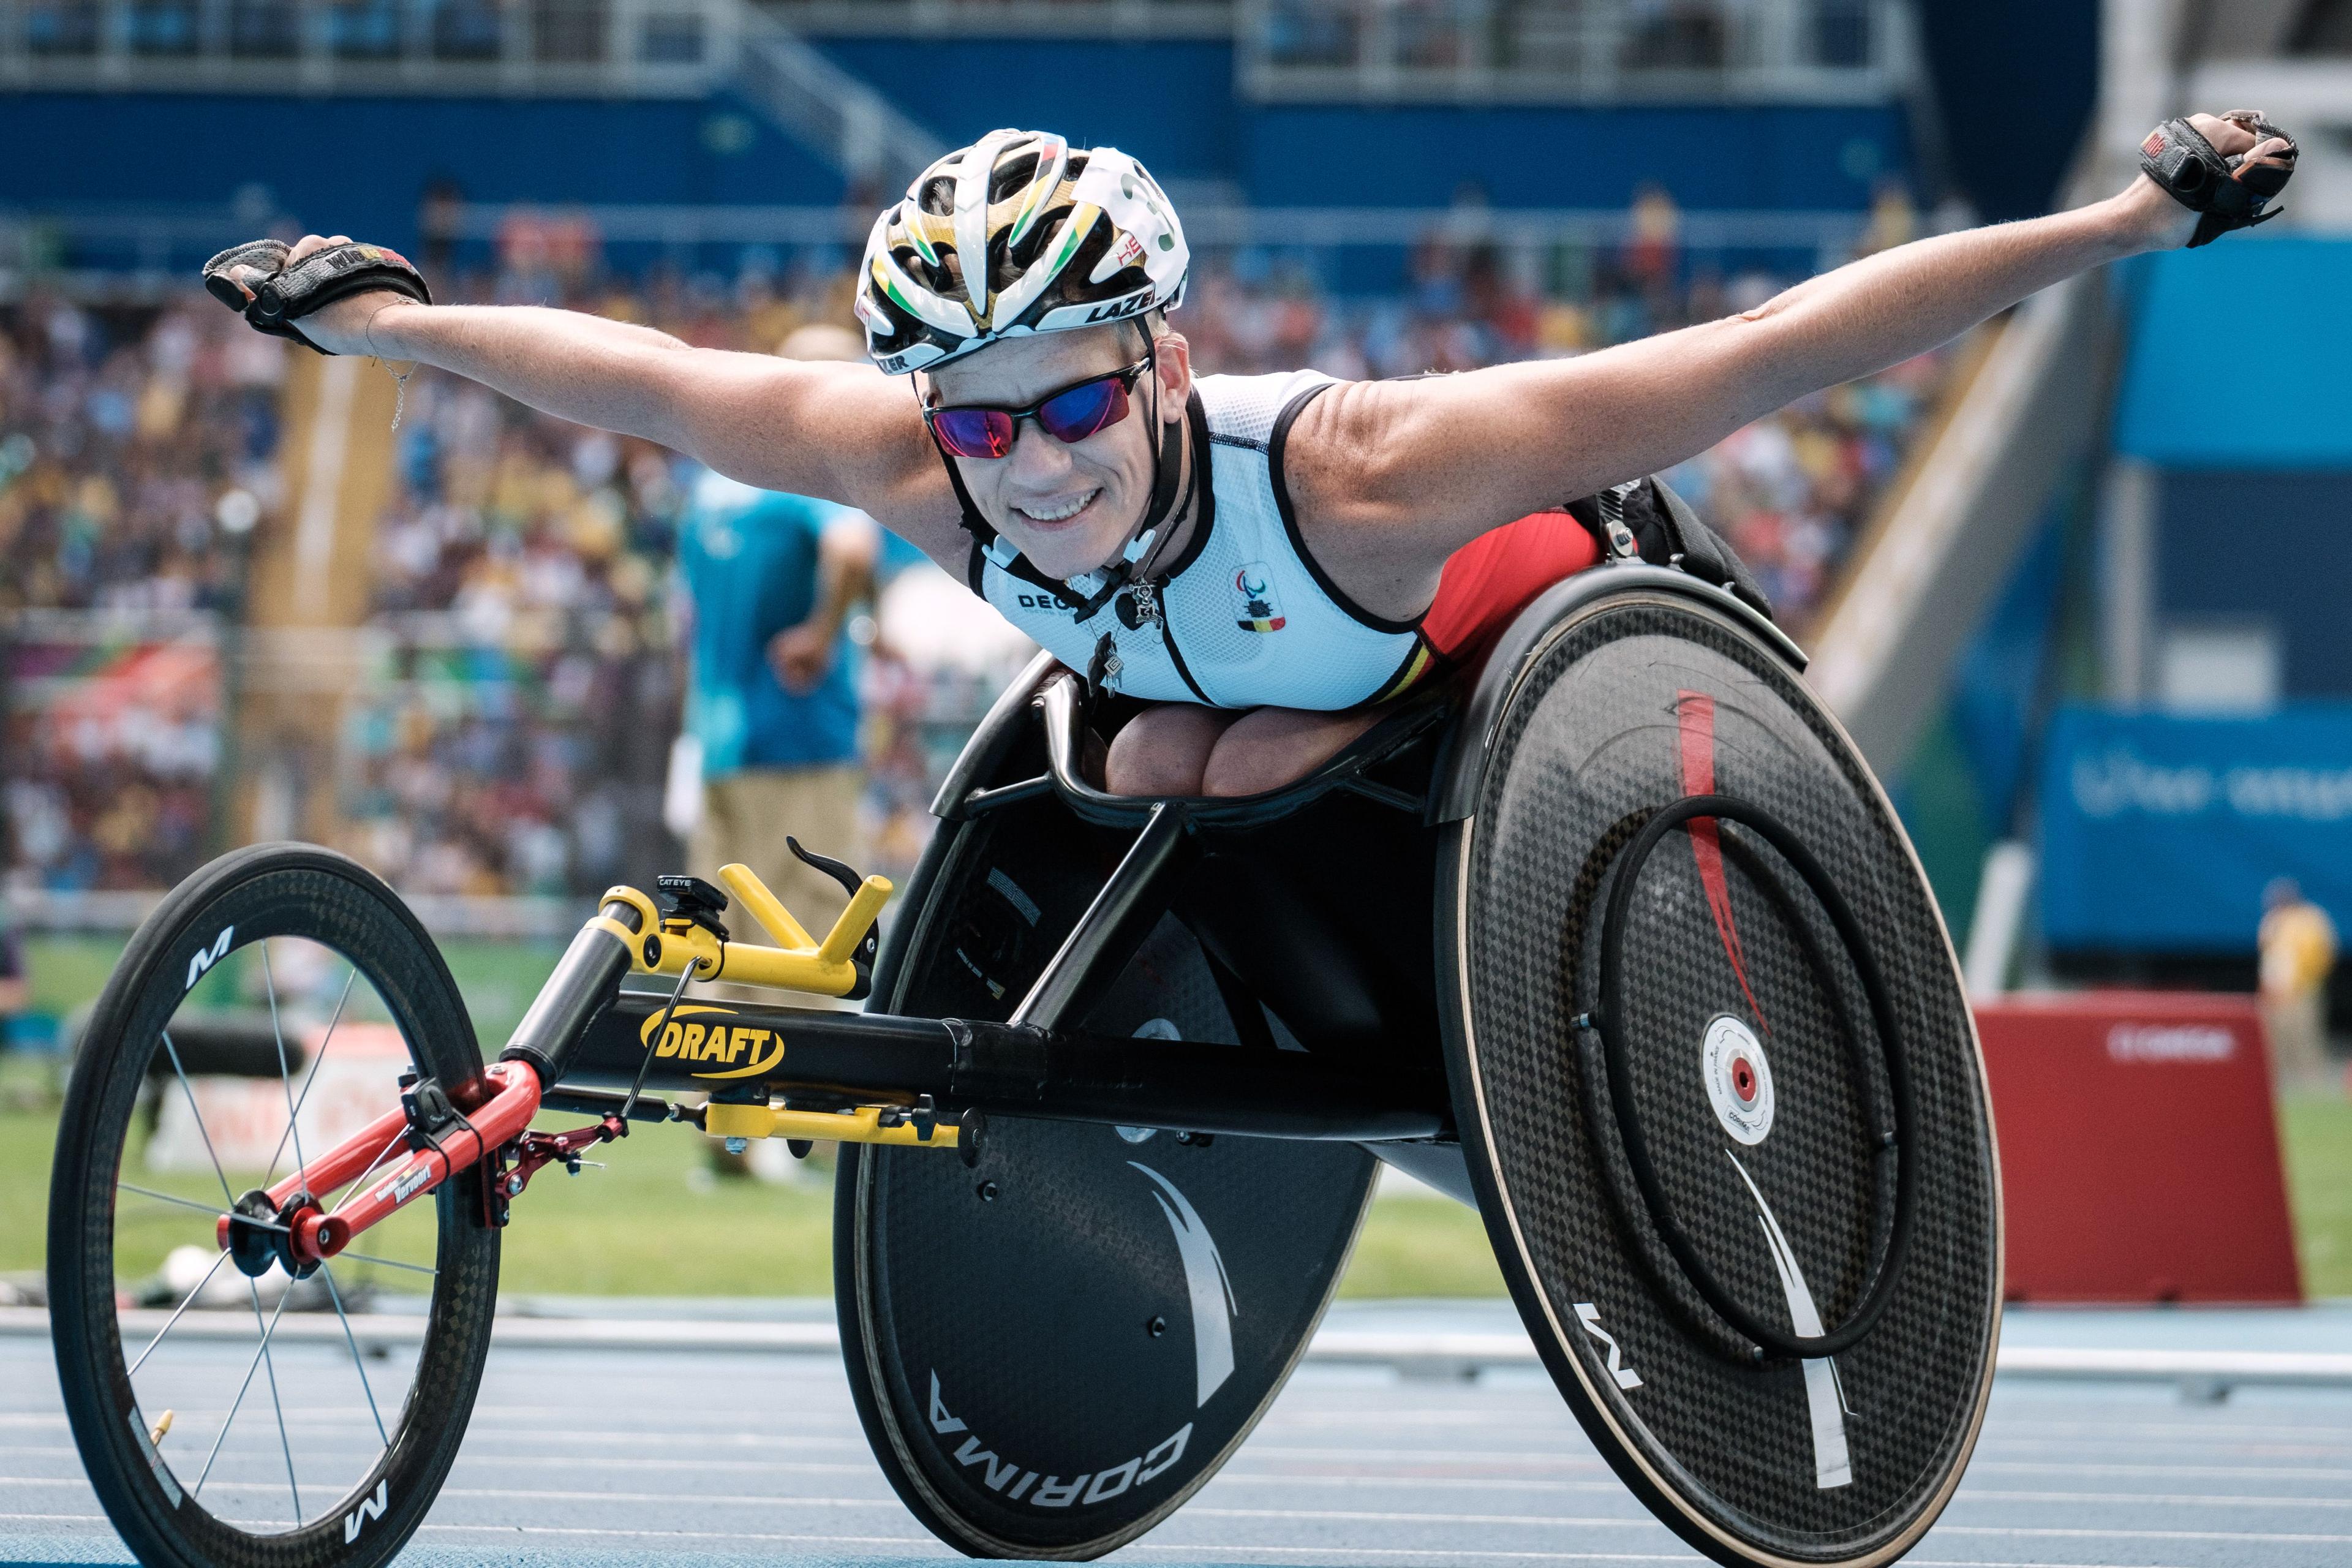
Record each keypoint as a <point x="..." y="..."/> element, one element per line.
<point x="230" y="1410"/>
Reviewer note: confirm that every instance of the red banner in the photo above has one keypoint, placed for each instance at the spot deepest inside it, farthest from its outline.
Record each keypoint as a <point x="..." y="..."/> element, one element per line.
<point x="2140" y="1156"/>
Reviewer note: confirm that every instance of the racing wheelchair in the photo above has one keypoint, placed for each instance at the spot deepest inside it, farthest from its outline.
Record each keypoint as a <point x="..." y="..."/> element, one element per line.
<point x="1622" y="943"/>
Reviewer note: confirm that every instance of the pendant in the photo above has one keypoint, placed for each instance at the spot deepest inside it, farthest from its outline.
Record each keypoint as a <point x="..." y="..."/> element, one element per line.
<point x="1138" y="606"/>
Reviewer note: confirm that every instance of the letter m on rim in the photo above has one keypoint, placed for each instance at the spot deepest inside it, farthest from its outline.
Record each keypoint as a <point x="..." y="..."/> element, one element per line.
<point x="371" y="1507"/>
<point x="205" y="957"/>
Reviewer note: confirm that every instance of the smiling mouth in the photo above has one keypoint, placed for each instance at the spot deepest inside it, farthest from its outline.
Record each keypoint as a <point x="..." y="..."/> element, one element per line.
<point x="1058" y="513"/>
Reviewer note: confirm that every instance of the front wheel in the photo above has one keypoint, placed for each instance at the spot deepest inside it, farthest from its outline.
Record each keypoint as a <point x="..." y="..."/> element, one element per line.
<point x="263" y="1011"/>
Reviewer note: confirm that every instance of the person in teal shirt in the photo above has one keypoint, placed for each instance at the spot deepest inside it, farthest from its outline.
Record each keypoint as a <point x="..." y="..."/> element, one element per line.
<point x="771" y="701"/>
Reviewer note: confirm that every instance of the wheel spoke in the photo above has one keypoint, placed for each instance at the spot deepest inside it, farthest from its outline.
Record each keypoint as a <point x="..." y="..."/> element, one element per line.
<point x="182" y="1074"/>
<point x="187" y="1204"/>
<point x="284" y="1443"/>
<point x="398" y="1139"/>
<point x="311" y="1078"/>
<point x="238" y="1403"/>
<point x="285" y="1077"/>
<point x="389" y="1262"/>
<point x="186" y="1302"/>
<point x="358" y="1365"/>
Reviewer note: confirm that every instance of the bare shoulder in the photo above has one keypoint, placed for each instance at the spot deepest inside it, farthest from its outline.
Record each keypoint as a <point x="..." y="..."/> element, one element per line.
<point x="1355" y="515"/>
<point x="1328" y="454"/>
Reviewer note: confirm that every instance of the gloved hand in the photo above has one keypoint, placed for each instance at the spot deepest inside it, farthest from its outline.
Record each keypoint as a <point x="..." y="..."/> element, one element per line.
<point x="2233" y="190"/>
<point x="273" y="284"/>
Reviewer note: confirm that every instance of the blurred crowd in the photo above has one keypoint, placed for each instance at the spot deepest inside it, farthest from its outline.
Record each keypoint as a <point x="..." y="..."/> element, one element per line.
<point x="521" y="678"/>
<point x="137" y="451"/>
<point x="123" y="435"/>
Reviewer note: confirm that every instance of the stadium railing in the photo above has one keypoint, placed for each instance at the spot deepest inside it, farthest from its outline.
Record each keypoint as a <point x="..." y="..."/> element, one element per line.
<point x="640" y="48"/>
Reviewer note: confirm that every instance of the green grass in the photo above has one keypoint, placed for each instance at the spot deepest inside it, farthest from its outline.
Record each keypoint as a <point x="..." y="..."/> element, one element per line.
<point x="2317" y="1132"/>
<point x="498" y="978"/>
<point x="1422" y="1247"/>
<point x="656" y="1222"/>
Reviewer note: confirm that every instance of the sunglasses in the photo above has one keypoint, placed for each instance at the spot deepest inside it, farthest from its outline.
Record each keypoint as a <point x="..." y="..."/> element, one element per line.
<point x="1071" y="414"/>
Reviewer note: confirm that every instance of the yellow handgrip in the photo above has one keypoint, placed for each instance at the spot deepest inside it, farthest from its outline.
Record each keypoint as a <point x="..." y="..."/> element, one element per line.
<point x="862" y="1125"/>
<point x="865" y="909"/>
<point x="765" y="907"/>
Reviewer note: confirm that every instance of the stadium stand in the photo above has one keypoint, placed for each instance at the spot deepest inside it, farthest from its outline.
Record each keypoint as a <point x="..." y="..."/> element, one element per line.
<point x="524" y="623"/>
<point x="1356" y="177"/>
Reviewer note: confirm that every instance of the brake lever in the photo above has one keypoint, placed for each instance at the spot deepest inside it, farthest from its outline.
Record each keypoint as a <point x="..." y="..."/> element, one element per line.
<point x="847" y="875"/>
<point x="840" y="871"/>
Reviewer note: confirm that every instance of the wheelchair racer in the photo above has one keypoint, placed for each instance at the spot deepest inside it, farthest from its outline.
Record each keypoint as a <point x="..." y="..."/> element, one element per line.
<point x="1262" y="559"/>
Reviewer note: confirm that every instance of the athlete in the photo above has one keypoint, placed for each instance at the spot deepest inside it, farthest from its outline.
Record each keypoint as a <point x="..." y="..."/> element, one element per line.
<point x="1262" y="559"/>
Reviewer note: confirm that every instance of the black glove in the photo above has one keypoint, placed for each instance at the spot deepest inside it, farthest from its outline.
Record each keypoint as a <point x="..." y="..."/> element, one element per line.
<point x="2232" y="192"/>
<point x="284" y="294"/>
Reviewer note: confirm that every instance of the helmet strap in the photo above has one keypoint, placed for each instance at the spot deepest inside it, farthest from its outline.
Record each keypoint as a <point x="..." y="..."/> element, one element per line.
<point x="1167" y="463"/>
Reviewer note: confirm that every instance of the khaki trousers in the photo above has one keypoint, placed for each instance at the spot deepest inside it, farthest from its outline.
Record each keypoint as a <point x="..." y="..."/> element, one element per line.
<point x="747" y="816"/>
<point x="2296" y="1025"/>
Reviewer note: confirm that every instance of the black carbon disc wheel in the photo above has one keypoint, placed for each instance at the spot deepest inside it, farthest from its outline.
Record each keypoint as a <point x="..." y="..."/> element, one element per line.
<point x="1720" y="1090"/>
<point x="229" y="1417"/>
<point x="1051" y="1351"/>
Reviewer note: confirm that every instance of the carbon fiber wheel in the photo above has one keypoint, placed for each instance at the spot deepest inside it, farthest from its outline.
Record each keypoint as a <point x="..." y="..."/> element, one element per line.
<point x="1720" y="1090"/>
<point x="232" y="1416"/>
<point x="1051" y="1351"/>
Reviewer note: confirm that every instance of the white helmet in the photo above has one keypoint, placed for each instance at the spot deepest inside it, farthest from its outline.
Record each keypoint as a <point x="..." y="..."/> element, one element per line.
<point x="1070" y="238"/>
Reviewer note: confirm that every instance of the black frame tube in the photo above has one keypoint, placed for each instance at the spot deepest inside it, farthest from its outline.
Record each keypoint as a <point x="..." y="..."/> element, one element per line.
<point x="1012" y="1069"/>
<point x="587" y="976"/>
<point x="1114" y="926"/>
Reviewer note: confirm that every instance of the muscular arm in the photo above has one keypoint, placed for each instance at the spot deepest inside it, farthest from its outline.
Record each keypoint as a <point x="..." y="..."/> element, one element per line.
<point x="1389" y="479"/>
<point x="841" y="432"/>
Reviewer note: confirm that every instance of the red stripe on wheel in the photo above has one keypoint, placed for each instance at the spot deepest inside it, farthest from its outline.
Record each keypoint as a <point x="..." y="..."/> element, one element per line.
<point x="1695" y="716"/>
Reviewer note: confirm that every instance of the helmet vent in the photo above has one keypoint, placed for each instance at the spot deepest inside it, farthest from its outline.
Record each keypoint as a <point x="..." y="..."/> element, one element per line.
<point x="1033" y="243"/>
<point x="1008" y="178"/>
<point x="1003" y="268"/>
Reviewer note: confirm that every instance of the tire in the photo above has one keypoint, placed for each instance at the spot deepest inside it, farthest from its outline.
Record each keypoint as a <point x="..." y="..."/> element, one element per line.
<point x="297" y="902"/>
<point x="1801" y="926"/>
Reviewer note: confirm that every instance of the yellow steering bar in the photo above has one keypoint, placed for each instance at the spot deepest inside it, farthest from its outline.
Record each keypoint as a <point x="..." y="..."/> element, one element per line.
<point x="865" y="1124"/>
<point x="797" y="962"/>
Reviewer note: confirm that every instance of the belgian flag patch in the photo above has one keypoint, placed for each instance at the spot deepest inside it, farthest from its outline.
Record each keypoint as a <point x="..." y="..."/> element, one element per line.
<point x="1255" y="609"/>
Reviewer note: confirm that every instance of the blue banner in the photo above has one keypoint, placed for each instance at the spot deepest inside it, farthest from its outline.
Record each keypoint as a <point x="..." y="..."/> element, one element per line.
<point x="2158" y="833"/>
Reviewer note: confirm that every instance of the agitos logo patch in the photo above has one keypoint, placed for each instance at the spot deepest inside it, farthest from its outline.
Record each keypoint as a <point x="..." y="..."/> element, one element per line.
<point x="1254" y="607"/>
<point x="698" y="1032"/>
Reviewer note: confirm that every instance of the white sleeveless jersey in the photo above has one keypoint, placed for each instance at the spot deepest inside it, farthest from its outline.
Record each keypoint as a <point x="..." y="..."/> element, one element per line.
<point x="1247" y="618"/>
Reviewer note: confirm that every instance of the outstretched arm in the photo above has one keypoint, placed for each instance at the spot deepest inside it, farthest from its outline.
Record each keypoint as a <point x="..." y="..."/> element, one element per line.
<point x="841" y="432"/>
<point x="1392" y="478"/>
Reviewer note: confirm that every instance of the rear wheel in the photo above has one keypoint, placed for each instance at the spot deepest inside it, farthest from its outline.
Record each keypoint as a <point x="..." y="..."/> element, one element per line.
<point x="1720" y="1092"/>
<point x="261" y="1014"/>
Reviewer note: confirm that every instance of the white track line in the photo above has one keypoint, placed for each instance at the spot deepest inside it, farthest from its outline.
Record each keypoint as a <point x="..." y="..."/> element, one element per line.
<point x="1967" y="1494"/>
<point x="1220" y="1552"/>
<point x="2092" y="1468"/>
<point x="695" y="1535"/>
<point x="1332" y="1346"/>
<point x="2282" y="1537"/>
